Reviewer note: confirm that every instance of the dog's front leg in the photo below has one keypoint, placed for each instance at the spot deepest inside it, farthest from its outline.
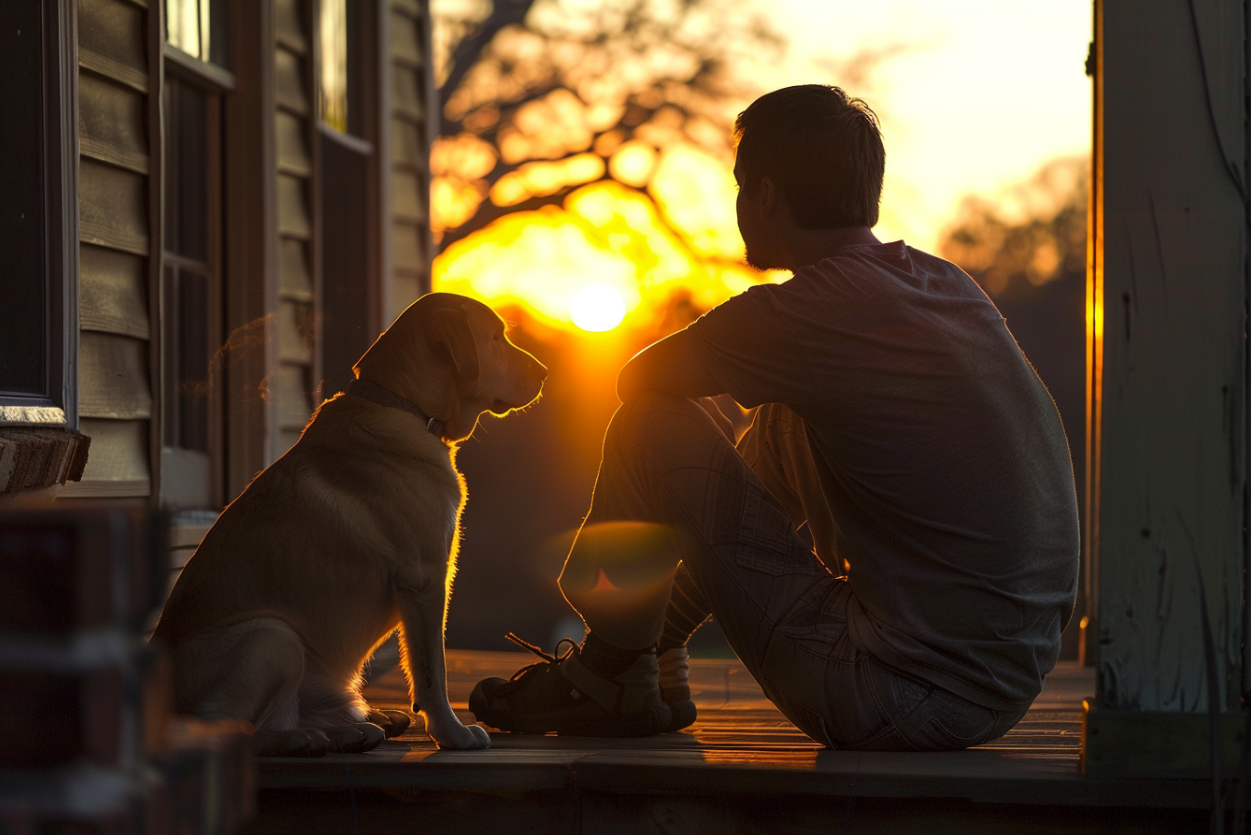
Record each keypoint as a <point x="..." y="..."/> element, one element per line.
<point x="422" y="615"/>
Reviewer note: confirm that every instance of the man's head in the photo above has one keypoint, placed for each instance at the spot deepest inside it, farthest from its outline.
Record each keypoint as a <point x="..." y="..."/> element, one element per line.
<point x="819" y="148"/>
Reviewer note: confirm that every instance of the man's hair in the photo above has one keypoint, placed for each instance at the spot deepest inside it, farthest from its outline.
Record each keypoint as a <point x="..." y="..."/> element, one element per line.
<point x="821" y="148"/>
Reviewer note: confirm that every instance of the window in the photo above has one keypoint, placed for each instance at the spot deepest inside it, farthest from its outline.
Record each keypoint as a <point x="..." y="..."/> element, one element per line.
<point x="198" y="27"/>
<point x="348" y="183"/>
<point x="191" y="279"/>
<point x="38" y="318"/>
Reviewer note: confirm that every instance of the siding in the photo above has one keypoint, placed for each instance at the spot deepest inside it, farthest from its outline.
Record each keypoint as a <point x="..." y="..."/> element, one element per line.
<point x="292" y="387"/>
<point x="410" y="115"/>
<point x="115" y="107"/>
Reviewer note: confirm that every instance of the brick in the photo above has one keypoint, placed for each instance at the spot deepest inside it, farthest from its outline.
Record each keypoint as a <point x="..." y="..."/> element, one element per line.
<point x="37" y="458"/>
<point x="106" y="713"/>
<point x="65" y="570"/>
<point x="49" y="719"/>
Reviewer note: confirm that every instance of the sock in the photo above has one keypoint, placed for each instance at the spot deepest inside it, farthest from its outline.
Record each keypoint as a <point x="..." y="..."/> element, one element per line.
<point x="604" y="659"/>
<point x="688" y="610"/>
<point x="675" y="671"/>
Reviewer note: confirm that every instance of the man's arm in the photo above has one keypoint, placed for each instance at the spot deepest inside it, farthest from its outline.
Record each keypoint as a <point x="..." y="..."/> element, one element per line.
<point x="670" y="366"/>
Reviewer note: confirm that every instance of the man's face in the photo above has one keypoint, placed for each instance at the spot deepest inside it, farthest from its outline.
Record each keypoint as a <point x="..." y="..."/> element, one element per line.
<point x="751" y="224"/>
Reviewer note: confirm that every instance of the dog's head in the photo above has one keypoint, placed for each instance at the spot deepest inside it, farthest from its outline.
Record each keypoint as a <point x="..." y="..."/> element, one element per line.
<point x="451" y="355"/>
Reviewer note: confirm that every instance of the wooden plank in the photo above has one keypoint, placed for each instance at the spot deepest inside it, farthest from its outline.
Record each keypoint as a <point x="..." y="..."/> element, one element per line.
<point x="113" y="70"/>
<point x="408" y="248"/>
<point x="409" y="197"/>
<point x="295" y="281"/>
<point x="112" y="292"/>
<point x="291" y="135"/>
<point x="290" y="88"/>
<point x="408" y="145"/>
<point x="289" y="27"/>
<point x="293" y="212"/>
<point x="115" y="31"/>
<point x="117" y="464"/>
<point x="408" y="94"/>
<point x="295" y="332"/>
<point x="412" y="8"/>
<point x="289" y="388"/>
<point x="113" y="377"/>
<point x="407" y="41"/>
<point x="111" y="123"/>
<point x="1173" y="365"/>
<point x="112" y="207"/>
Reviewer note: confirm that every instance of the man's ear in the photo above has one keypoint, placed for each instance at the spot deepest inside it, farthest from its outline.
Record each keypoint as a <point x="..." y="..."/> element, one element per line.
<point x="451" y="336"/>
<point x="767" y="197"/>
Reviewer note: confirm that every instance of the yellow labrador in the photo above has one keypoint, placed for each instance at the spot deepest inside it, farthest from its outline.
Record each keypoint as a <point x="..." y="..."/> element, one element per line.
<point x="350" y="534"/>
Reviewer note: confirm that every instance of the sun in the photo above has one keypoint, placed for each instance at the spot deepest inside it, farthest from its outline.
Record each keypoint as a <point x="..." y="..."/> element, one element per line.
<point x="597" y="308"/>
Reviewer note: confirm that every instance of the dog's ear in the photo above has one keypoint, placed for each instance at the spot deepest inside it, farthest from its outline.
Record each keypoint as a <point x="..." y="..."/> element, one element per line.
<point x="452" y="337"/>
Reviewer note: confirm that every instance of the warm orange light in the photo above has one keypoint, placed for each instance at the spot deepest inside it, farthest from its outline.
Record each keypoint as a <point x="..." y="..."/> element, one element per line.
<point x="633" y="163"/>
<point x="679" y="239"/>
<point x="539" y="179"/>
<point x="597" y="308"/>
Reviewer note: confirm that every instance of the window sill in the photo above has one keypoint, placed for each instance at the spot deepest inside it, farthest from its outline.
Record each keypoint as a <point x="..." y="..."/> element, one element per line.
<point x="35" y="458"/>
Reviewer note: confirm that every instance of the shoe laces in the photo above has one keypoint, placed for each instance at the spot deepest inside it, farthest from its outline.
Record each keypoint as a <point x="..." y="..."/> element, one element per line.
<point x="548" y="659"/>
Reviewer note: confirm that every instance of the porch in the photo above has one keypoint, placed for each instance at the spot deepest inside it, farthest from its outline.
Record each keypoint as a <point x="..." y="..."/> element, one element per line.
<point x="741" y="768"/>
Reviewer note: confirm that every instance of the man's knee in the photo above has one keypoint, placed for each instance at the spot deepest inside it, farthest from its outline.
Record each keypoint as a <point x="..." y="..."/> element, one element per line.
<point x="653" y="417"/>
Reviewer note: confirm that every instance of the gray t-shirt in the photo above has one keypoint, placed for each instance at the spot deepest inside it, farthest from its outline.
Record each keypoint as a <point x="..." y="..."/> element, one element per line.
<point x="941" y="455"/>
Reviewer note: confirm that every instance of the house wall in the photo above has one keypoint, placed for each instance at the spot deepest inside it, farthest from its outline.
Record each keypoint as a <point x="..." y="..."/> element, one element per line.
<point x="412" y="122"/>
<point x="293" y="383"/>
<point x="271" y="366"/>
<point x="118" y="199"/>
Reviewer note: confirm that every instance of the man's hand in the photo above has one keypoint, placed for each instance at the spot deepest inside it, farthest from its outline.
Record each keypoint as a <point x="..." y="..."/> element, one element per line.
<point x="670" y="366"/>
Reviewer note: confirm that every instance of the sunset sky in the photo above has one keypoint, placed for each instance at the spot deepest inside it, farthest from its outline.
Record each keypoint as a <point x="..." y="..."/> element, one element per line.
<point x="981" y="93"/>
<point x="974" y="96"/>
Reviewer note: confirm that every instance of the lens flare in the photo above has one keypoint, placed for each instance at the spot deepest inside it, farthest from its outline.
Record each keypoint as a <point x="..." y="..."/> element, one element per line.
<point x="598" y="308"/>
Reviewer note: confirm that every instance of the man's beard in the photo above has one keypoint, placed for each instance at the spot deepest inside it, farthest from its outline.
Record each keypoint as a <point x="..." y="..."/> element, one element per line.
<point x="754" y="260"/>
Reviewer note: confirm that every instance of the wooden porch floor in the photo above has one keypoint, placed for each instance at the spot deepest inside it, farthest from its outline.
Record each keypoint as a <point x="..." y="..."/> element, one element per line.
<point x="741" y="768"/>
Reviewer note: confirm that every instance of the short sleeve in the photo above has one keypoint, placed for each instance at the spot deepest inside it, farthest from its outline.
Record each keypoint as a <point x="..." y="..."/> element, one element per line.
<point x="746" y="345"/>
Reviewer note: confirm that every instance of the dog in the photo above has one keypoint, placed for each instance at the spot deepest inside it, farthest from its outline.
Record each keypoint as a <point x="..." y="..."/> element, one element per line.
<point x="349" y="535"/>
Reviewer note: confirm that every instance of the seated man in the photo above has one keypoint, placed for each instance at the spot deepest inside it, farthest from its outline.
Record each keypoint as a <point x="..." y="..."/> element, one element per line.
<point x="892" y="547"/>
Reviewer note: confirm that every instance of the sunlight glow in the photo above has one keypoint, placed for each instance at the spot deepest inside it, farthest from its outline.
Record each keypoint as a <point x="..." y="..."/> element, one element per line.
<point x="597" y="308"/>
<point x="683" y="246"/>
<point x="662" y="232"/>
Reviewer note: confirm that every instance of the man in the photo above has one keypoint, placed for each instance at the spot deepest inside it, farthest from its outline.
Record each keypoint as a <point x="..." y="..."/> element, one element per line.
<point x="891" y="549"/>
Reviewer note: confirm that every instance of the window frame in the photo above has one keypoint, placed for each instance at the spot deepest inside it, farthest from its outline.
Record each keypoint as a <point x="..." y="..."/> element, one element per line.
<point x="56" y="407"/>
<point x="178" y="466"/>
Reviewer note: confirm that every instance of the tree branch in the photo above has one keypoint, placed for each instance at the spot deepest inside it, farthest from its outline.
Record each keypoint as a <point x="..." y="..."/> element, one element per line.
<point x="504" y="13"/>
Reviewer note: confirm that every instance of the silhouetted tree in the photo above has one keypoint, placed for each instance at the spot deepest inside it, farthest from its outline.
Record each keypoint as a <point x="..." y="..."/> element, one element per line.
<point x="552" y="81"/>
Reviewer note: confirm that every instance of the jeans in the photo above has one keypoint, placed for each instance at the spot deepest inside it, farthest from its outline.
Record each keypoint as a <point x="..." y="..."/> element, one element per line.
<point x="672" y="487"/>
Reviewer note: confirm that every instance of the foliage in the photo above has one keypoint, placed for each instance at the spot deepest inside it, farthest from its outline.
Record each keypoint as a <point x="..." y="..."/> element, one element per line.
<point x="540" y="98"/>
<point x="1031" y="235"/>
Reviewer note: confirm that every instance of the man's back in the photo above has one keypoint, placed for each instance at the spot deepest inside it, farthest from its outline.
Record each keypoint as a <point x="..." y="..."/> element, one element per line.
<point x="941" y="455"/>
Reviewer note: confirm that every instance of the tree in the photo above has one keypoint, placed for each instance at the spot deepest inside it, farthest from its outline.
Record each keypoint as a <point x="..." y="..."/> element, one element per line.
<point x="605" y="121"/>
<point x="1030" y="236"/>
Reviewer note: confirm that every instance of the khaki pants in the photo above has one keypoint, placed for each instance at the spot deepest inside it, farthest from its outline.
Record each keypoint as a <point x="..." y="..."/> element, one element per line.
<point x="672" y="488"/>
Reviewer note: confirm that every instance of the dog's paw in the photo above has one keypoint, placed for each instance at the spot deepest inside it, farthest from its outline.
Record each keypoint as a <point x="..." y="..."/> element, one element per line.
<point x="462" y="738"/>
<point x="355" y="739"/>
<point x="393" y="722"/>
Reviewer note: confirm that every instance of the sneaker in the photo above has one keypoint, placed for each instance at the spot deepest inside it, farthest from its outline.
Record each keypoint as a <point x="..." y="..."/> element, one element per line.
<point x="559" y="694"/>
<point x="675" y="688"/>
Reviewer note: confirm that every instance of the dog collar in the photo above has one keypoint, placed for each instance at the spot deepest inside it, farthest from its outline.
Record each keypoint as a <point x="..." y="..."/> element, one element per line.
<point x="382" y="397"/>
